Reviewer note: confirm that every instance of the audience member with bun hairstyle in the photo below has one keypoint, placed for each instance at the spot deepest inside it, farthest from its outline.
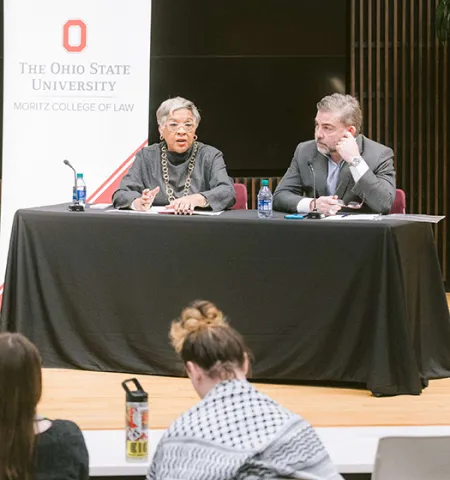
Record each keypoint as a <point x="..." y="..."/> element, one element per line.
<point x="234" y="432"/>
<point x="33" y="447"/>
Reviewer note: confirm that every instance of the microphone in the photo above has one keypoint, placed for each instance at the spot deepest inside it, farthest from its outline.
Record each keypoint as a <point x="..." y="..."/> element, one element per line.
<point x="315" y="214"/>
<point x="75" y="207"/>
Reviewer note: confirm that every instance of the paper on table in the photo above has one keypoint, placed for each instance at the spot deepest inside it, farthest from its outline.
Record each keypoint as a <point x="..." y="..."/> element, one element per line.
<point x="411" y="217"/>
<point x="408" y="217"/>
<point x="165" y="211"/>
<point x="361" y="216"/>
<point x="100" y="206"/>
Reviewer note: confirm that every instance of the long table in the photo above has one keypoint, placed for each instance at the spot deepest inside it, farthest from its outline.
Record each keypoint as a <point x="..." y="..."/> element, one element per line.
<point x="359" y="302"/>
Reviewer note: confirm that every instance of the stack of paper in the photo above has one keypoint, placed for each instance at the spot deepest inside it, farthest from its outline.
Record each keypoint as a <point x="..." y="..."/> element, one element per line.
<point x="411" y="217"/>
<point x="360" y="216"/>
<point x="168" y="211"/>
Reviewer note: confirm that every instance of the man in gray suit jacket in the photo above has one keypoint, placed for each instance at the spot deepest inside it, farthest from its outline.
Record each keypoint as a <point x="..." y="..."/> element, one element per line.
<point x="349" y="168"/>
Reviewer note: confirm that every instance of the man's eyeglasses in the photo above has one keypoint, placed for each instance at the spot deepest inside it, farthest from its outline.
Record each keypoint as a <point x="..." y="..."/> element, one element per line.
<point x="353" y="205"/>
<point x="174" y="126"/>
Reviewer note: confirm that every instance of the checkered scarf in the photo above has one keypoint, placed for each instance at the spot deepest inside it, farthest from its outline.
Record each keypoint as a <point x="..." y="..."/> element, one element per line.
<point x="236" y="432"/>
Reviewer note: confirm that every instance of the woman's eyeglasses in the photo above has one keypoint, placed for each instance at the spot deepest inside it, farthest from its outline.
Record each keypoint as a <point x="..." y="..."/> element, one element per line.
<point x="174" y="126"/>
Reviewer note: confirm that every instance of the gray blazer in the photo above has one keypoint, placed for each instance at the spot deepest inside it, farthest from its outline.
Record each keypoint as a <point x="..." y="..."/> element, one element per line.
<point x="209" y="178"/>
<point x="377" y="185"/>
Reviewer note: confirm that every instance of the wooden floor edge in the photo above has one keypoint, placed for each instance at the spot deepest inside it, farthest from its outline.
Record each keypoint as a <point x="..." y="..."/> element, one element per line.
<point x="96" y="401"/>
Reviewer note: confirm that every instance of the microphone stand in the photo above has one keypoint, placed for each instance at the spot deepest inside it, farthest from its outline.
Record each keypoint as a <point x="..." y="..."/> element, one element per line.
<point x="75" y="206"/>
<point x="314" y="214"/>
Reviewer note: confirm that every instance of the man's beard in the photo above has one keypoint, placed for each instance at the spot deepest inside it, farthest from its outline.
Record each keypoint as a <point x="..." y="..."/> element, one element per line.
<point x="325" y="149"/>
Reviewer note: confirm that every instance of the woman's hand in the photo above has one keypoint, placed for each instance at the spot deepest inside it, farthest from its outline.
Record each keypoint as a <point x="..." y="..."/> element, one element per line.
<point x="186" y="205"/>
<point x="145" y="201"/>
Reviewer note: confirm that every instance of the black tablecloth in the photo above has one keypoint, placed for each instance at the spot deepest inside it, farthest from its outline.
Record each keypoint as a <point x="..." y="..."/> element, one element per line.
<point x="359" y="302"/>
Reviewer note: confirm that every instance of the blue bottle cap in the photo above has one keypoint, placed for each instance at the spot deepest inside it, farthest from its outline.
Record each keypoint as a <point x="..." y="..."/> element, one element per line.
<point x="79" y="175"/>
<point x="265" y="183"/>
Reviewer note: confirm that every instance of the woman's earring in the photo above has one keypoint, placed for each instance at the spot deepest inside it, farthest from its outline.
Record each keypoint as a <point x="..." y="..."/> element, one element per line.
<point x="161" y="137"/>
<point x="195" y="137"/>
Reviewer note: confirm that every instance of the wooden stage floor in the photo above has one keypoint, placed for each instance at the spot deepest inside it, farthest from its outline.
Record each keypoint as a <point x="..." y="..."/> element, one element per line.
<point x="96" y="401"/>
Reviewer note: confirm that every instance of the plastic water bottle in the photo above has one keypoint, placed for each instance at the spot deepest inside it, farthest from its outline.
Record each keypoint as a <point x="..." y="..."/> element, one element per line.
<point x="265" y="200"/>
<point x="136" y="422"/>
<point x="81" y="189"/>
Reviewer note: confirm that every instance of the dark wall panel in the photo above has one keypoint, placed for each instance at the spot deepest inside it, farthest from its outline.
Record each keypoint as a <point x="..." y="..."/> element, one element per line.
<point x="255" y="69"/>
<point x="249" y="27"/>
<point x="253" y="109"/>
<point x="399" y="71"/>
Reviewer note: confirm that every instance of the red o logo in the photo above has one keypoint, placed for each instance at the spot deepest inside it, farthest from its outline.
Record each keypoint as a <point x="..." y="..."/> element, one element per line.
<point x="74" y="24"/>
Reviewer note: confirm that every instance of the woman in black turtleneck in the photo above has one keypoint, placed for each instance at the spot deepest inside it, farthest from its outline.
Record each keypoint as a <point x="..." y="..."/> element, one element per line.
<point x="179" y="172"/>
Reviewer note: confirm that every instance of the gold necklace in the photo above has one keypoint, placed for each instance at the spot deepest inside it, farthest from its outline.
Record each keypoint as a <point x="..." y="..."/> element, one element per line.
<point x="165" y="170"/>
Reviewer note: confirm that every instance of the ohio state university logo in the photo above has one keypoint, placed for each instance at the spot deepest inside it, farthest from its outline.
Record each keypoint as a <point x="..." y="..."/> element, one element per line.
<point x="71" y="27"/>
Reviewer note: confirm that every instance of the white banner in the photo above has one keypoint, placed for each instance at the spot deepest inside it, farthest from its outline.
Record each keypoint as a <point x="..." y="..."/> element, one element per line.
<point x="76" y="87"/>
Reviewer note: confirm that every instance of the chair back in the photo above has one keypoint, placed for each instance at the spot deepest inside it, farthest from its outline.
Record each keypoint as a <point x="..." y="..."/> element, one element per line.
<point x="253" y="185"/>
<point x="412" y="458"/>
<point x="399" y="205"/>
<point x="241" y="197"/>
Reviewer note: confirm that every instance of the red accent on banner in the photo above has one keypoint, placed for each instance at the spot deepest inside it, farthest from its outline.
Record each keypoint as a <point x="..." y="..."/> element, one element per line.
<point x="67" y="26"/>
<point x="111" y="184"/>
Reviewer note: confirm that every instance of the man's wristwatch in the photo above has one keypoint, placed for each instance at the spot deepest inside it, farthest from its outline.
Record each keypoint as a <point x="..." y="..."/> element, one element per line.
<point x="355" y="161"/>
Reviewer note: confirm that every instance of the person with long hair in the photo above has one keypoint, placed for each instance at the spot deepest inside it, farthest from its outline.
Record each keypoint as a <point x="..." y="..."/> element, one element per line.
<point x="234" y="432"/>
<point x="33" y="447"/>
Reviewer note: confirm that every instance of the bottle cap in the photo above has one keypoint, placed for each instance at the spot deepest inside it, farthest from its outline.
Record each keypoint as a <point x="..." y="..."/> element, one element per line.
<point x="265" y="183"/>
<point x="79" y="175"/>
<point x="138" y="395"/>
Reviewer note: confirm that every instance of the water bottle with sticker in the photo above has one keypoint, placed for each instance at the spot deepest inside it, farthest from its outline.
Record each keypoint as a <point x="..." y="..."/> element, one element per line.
<point x="136" y="422"/>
